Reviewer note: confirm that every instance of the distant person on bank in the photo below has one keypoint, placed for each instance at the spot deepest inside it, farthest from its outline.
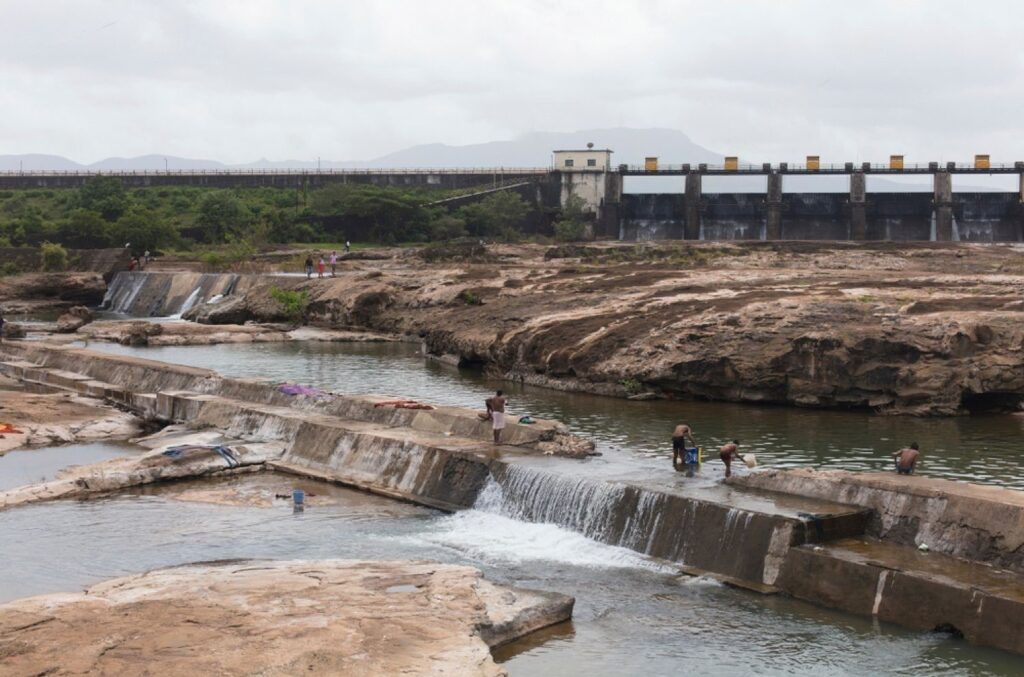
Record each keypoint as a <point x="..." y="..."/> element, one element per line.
<point x="348" y="246"/>
<point x="496" y="413"/>
<point x="309" y="266"/>
<point x="728" y="453"/>
<point x="1" y="326"/>
<point x="680" y="437"/>
<point x="906" y="459"/>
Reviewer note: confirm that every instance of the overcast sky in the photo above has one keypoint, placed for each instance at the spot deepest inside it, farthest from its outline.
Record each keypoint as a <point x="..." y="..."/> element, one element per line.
<point x="239" y="80"/>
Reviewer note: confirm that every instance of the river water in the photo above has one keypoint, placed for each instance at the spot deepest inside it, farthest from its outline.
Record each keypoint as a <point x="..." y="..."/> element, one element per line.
<point x="635" y="435"/>
<point x="633" y="615"/>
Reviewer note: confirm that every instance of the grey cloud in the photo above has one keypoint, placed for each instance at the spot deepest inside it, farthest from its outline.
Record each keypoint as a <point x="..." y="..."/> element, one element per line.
<point x="773" y="80"/>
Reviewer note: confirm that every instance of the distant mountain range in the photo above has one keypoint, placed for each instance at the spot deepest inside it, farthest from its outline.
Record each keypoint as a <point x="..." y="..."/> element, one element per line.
<point x="631" y="146"/>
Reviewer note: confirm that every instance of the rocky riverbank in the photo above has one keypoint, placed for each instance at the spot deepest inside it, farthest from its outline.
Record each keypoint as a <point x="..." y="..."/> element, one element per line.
<point x="36" y="292"/>
<point x="320" y="617"/>
<point x="47" y="418"/>
<point x="926" y="329"/>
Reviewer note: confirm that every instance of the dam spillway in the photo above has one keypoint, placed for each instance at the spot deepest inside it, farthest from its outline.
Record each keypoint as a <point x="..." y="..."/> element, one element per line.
<point x="439" y="458"/>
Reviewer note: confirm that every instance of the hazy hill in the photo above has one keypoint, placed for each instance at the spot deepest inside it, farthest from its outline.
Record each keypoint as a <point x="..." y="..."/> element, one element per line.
<point x="533" y="149"/>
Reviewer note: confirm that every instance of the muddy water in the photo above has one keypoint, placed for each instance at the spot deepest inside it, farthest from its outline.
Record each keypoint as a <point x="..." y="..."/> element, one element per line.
<point x="983" y="448"/>
<point x="632" y="616"/>
<point x="39" y="464"/>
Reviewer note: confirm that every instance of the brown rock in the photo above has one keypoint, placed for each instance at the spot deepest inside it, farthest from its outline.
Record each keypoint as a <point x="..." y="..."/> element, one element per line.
<point x="326" y="617"/>
<point x="74" y="319"/>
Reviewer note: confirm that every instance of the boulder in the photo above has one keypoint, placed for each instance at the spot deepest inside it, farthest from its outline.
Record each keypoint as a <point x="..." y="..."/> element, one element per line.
<point x="232" y="310"/>
<point x="139" y="333"/>
<point x="74" y="319"/>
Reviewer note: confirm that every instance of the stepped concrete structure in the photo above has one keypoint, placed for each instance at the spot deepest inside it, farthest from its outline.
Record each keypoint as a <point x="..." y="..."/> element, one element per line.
<point x="843" y="540"/>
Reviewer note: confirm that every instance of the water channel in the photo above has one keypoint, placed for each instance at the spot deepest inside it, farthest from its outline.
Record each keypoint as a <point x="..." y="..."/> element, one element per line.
<point x="634" y="435"/>
<point x="633" y="615"/>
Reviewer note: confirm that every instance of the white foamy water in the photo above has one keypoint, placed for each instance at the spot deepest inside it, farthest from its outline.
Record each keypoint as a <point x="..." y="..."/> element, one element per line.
<point x="495" y="539"/>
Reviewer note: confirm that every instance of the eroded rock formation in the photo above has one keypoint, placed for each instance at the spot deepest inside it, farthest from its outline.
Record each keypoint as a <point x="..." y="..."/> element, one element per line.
<point x="922" y="329"/>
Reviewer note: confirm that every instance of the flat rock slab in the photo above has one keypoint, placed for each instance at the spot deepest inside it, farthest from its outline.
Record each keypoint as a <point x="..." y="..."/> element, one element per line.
<point x="326" y="617"/>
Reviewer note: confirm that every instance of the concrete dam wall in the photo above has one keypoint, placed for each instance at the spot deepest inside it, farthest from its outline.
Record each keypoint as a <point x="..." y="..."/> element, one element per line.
<point x="977" y="217"/>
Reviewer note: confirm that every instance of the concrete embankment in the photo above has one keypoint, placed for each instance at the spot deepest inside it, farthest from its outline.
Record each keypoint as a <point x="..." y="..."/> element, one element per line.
<point x="816" y="544"/>
<point x="315" y="617"/>
<point x="970" y="521"/>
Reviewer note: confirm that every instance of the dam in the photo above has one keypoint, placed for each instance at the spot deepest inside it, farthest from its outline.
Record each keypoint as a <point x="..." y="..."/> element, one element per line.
<point x="854" y="212"/>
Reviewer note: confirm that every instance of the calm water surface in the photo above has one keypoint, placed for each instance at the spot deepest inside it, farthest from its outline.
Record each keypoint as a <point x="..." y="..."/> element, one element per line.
<point x="983" y="448"/>
<point x="39" y="464"/>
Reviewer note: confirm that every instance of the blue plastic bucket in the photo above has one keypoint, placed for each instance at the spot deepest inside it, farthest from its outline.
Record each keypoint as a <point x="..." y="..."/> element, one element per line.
<point x="298" y="496"/>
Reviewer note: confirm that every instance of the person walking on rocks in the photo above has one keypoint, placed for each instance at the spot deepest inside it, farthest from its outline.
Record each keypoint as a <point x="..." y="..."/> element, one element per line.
<point x="309" y="266"/>
<point x="334" y="262"/>
<point x="320" y="266"/>
<point x="906" y="459"/>
<point x="729" y="453"/>
<point x="680" y="436"/>
<point x="496" y="412"/>
<point x="1" y="325"/>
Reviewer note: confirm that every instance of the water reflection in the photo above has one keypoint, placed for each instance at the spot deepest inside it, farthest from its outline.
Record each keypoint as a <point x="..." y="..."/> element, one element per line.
<point x="983" y="448"/>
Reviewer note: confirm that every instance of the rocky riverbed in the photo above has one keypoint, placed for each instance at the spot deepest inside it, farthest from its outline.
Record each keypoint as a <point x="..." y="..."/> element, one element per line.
<point x="927" y="329"/>
<point x="320" y="617"/>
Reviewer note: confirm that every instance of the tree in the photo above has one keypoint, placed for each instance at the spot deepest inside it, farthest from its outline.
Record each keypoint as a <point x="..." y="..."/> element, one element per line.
<point x="85" y="229"/>
<point x="390" y="215"/>
<point x="573" y="223"/>
<point x="220" y="213"/>
<point x="54" y="256"/>
<point x="447" y="227"/>
<point x="498" y="214"/>
<point x="105" y="195"/>
<point x="144" y="229"/>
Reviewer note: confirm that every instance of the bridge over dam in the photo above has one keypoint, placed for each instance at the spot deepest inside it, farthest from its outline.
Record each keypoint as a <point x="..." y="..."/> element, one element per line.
<point x="694" y="213"/>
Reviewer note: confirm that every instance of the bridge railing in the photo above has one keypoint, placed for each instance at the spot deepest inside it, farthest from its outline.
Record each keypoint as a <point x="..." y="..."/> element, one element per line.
<point x="823" y="168"/>
<point x="274" y="172"/>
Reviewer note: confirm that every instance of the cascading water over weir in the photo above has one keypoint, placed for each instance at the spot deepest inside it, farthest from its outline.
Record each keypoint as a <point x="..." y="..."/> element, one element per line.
<point x="142" y="294"/>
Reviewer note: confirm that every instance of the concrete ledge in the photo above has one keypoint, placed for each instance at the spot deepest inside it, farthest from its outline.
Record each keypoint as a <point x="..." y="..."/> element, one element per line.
<point x="977" y="522"/>
<point x="921" y="591"/>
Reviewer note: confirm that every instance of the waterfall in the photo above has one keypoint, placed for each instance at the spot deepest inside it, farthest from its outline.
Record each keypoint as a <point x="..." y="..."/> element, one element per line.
<point x="123" y="291"/>
<point x="604" y="511"/>
<point x="187" y="305"/>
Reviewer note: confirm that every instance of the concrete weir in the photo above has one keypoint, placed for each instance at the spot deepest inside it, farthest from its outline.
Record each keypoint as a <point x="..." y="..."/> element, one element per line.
<point x="821" y="544"/>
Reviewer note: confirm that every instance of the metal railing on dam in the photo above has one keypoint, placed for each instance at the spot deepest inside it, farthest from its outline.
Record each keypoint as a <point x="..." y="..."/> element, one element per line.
<point x="332" y="171"/>
<point x="811" y="170"/>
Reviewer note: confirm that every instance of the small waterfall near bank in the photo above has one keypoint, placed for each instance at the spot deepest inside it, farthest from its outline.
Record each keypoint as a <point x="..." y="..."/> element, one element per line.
<point x="142" y="294"/>
<point x="123" y="291"/>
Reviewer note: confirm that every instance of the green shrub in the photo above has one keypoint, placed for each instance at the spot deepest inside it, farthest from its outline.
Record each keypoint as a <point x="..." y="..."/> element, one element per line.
<point x="569" y="231"/>
<point x="293" y="303"/>
<point x="470" y="298"/>
<point x="55" y="257"/>
<point x="9" y="268"/>
<point x="632" y="385"/>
